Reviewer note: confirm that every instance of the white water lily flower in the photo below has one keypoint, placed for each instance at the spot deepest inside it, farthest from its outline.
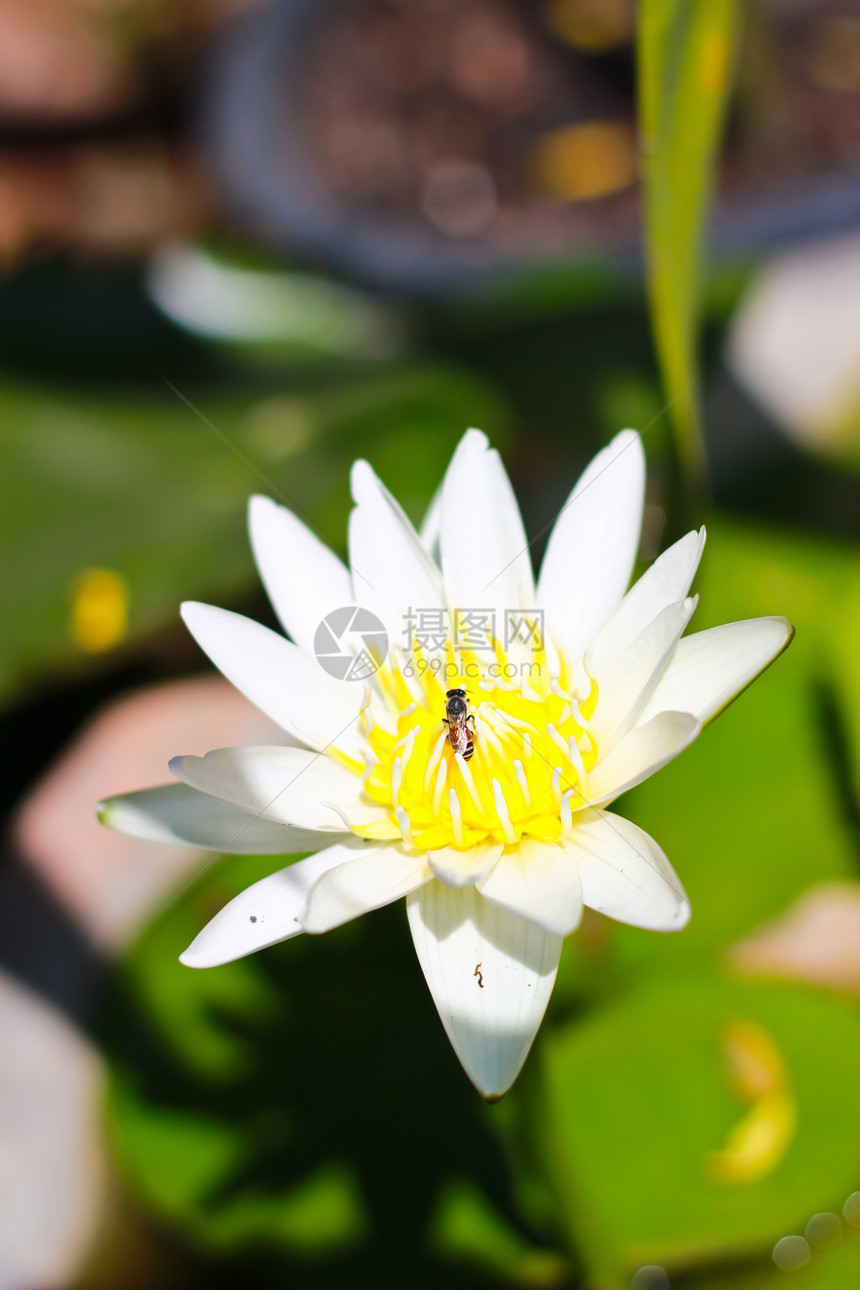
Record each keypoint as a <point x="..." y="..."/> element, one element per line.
<point x="576" y="691"/>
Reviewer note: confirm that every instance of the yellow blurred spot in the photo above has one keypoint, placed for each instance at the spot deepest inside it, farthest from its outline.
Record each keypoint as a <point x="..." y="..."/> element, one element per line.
<point x="280" y="426"/>
<point x="99" y="618"/>
<point x="755" y="1062"/>
<point x="714" y="62"/>
<point x="590" y="24"/>
<point x="587" y="160"/>
<point x="758" y="1142"/>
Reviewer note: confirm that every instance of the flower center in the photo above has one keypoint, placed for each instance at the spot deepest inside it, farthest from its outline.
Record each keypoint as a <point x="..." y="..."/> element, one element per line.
<point x="533" y="749"/>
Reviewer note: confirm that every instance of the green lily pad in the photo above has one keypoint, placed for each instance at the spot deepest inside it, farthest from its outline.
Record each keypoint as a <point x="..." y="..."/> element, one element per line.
<point x="638" y="1097"/>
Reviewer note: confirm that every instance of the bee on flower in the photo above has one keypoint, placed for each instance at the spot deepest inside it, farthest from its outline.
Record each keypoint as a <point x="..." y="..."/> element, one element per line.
<point x="484" y="803"/>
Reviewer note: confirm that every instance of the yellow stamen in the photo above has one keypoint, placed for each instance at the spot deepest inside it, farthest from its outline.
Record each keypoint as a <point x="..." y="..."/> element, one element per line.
<point x="533" y="750"/>
<point x="441" y="776"/>
<point x="434" y="760"/>
<point x="522" y="781"/>
<point x="456" y="816"/>
<point x="405" y="826"/>
<point x="396" y="781"/>
<point x="510" y="833"/>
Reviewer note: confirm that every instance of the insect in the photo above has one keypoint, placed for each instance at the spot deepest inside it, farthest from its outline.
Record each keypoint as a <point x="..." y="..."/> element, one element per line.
<point x="457" y="716"/>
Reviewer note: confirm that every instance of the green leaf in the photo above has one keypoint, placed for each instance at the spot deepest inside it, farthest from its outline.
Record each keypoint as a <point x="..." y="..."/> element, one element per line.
<point x="686" y="52"/>
<point x="835" y="1266"/>
<point x="467" y="1226"/>
<point x="638" y="1098"/>
<point x="305" y="1101"/>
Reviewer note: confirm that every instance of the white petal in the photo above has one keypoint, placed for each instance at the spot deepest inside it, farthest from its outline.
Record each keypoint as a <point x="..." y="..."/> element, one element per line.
<point x="459" y="868"/>
<point x="391" y="570"/>
<point x="538" y="882"/>
<point x="490" y="975"/>
<point x="181" y="815"/>
<point x="366" y="883"/>
<point x="266" y="912"/>
<point x="287" y="784"/>
<point x="666" y="581"/>
<point x="279" y="678"/>
<point x="303" y="577"/>
<point x="431" y="527"/>
<point x="710" y="669"/>
<point x="485" y="551"/>
<point x="626" y="685"/>
<point x="640" y="753"/>
<point x="625" y="874"/>
<point x="593" y="545"/>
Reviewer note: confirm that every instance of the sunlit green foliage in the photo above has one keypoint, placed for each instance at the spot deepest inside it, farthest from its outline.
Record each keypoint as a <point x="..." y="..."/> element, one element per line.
<point x="686" y="52"/>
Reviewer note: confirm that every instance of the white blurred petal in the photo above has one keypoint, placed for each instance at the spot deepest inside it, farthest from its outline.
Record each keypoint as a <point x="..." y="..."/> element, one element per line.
<point x="490" y="974"/>
<point x="266" y="912"/>
<point x="625" y="874"/>
<point x="592" y="548"/>
<point x="177" y="814"/>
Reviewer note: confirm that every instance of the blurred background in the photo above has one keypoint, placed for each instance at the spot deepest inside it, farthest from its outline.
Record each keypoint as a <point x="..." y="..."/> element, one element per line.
<point x="242" y="244"/>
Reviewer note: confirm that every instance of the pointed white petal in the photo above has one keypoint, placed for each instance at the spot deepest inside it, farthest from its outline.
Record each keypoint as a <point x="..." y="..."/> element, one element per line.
<point x="391" y="570"/>
<point x="538" y="882"/>
<point x="431" y="527"/>
<point x="366" y="883"/>
<point x="460" y="868"/>
<point x="709" y="669"/>
<point x="304" y="579"/>
<point x="665" y="583"/>
<point x="593" y="545"/>
<point x="490" y="975"/>
<point x="291" y="785"/>
<point x="279" y="678"/>
<point x="266" y="912"/>
<point x="183" y="816"/>
<point x="640" y="753"/>
<point x="625" y="874"/>
<point x="626" y="685"/>
<point x="485" y="550"/>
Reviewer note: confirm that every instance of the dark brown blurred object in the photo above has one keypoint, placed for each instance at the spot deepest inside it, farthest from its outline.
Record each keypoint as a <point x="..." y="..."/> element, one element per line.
<point x="91" y="157"/>
<point x="60" y="60"/>
<point x="75" y="60"/>
<point x="508" y="128"/>
<point x="97" y="199"/>
<point x="436" y="113"/>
